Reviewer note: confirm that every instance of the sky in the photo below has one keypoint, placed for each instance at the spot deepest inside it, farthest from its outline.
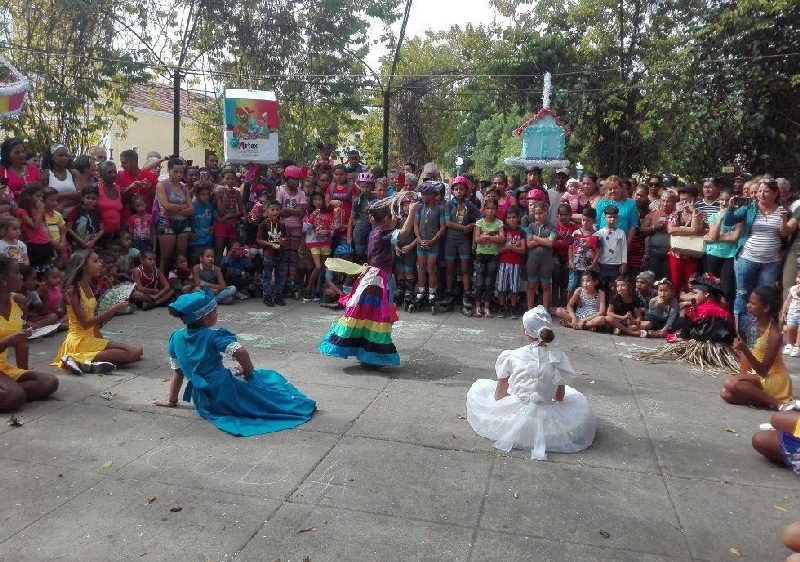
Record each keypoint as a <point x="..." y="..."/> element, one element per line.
<point x="436" y="15"/>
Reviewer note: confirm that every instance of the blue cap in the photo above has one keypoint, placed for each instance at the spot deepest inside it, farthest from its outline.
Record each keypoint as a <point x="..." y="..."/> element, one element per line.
<point x="343" y="250"/>
<point x="192" y="307"/>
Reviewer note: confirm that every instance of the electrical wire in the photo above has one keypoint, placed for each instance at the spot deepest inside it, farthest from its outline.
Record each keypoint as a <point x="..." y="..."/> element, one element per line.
<point x="267" y="77"/>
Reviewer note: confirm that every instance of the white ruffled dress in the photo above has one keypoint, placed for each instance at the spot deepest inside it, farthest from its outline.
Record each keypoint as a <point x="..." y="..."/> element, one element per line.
<point x="529" y="417"/>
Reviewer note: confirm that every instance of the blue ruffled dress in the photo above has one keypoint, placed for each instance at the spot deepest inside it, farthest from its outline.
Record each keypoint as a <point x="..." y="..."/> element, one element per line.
<point x="264" y="403"/>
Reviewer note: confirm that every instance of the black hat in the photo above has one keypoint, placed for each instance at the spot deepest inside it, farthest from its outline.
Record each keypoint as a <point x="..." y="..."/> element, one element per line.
<point x="708" y="283"/>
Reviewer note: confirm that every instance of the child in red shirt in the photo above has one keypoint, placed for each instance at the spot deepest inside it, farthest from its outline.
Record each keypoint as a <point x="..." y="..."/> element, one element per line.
<point x="584" y="249"/>
<point x="512" y="254"/>
<point x="564" y="229"/>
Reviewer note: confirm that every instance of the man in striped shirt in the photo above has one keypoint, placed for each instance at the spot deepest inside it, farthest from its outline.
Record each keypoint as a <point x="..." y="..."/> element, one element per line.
<point x="709" y="204"/>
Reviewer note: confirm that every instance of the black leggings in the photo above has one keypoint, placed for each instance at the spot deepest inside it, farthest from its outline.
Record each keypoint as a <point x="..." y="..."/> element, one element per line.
<point x="484" y="274"/>
<point x="722" y="268"/>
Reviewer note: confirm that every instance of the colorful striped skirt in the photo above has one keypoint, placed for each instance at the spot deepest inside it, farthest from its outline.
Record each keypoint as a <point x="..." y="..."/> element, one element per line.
<point x="364" y="331"/>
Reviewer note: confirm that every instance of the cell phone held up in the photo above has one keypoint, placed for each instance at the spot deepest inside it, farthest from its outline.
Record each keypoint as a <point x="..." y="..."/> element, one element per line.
<point x="739" y="201"/>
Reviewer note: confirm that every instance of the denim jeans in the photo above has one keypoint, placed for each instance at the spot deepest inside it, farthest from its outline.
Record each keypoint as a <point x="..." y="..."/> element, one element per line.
<point x="574" y="280"/>
<point x="273" y="265"/>
<point x="750" y="275"/>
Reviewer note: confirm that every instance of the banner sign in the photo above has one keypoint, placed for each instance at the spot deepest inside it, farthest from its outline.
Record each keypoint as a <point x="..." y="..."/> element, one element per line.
<point x="251" y="127"/>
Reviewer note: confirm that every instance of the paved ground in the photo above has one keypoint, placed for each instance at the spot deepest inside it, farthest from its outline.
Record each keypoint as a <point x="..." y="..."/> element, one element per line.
<point x="388" y="469"/>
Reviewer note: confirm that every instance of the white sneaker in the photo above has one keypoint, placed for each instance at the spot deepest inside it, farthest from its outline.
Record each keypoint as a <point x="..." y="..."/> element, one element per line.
<point x="787" y="349"/>
<point x="766" y="427"/>
<point x="795" y="352"/>
<point x="789" y="406"/>
<point x="71" y="364"/>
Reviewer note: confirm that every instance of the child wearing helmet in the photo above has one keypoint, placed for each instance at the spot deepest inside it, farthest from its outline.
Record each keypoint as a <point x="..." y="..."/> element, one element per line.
<point x="358" y="228"/>
<point x="429" y="228"/>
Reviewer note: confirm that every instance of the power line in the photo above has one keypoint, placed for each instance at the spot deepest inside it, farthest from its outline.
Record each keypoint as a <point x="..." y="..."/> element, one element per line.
<point x="282" y="77"/>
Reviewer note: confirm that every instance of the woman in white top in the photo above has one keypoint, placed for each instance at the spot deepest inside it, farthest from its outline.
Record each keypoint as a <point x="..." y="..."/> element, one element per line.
<point x="56" y="161"/>
<point x="758" y="262"/>
<point x="530" y="404"/>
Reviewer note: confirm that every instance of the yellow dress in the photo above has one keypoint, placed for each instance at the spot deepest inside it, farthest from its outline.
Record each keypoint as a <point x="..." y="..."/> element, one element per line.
<point x="777" y="382"/>
<point x="81" y="343"/>
<point x="8" y="326"/>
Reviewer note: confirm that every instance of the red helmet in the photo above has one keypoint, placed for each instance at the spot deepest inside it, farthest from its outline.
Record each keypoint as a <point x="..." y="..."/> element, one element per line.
<point x="293" y="172"/>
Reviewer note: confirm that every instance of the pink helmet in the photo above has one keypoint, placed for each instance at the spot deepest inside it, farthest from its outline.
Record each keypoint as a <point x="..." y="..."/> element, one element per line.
<point x="293" y="172"/>
<point x="366" y="177"/>
<point x="459" y="179"/>
<point x="537" y="194"/>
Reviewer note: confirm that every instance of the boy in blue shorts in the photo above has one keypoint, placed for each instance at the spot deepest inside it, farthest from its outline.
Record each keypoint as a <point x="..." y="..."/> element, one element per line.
<point x="460" y="216"/>
<point x="429" y="227"/>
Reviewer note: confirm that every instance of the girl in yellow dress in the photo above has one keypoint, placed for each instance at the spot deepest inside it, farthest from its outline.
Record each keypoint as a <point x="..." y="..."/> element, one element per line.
<point x="763" y="379"/>
<point x="84" y="350"/>
<point x="17" y="384"/>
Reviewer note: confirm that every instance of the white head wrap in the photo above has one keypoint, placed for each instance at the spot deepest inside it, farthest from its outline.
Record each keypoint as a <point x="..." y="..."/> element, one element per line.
<point x="535" y="320"/>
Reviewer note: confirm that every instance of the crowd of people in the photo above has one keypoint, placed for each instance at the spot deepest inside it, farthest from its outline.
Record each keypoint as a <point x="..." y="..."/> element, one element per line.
<point x="646" y="257"/>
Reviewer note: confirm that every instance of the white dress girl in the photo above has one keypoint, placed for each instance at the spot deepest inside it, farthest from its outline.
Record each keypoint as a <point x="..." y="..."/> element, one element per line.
<point x="530" y="416"/>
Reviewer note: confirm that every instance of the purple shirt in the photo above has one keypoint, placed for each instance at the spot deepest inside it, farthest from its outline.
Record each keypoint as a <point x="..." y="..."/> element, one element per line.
<point x="379" y="249"/>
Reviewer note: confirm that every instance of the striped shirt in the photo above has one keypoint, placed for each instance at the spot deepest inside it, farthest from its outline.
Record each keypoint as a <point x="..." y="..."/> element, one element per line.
<point x="706" y="209"/>
<point x="764" y="243"/>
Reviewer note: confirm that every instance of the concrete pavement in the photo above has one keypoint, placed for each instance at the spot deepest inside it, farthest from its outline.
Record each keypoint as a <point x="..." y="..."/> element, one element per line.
<point x="388" y="469"/>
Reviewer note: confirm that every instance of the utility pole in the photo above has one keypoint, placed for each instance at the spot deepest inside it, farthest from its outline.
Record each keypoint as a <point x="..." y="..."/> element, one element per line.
<point x="176" y="112"/>
<point x="387" y="93"/>
<point x="618" y="135"/>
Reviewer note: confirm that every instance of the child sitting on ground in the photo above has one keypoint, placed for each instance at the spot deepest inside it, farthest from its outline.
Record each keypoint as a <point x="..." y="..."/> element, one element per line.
<point x="52" y="295"/>
<point x="586" y="308"/>
<point x="181" y="278"/>
<point x="128" y="256"/>
<point x="108" y="277"/>
<point x="779" y="440"/>
<point x="35" y="315"/>
<point x="10" y="244"/>
<point x="206" y="274"/>
<point x="644" y="288"/>
<point x="83" y="350"/>
<point x="763" y="379"/>
<point x="530" y="404"/>
<point x="661" y="317"/>
<point x="152" y="288"/>
<point x="254" y="402"/>
<point x="624" y="312"/>
<point x="236" y="268"/>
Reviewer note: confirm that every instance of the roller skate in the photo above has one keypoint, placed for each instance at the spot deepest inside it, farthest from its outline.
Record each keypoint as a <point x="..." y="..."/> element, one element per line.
<point x="417" y="302"/>
<point x="434" y="304"/>
<point x="446" y="304"/>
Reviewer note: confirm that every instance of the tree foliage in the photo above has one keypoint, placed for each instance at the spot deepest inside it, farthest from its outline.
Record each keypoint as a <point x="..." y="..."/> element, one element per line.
<point x="79" y="80"/>
<point x="682" y="86"/>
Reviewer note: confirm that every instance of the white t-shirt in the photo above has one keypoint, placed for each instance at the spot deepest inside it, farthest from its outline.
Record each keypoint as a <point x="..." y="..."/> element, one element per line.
<point x="17" y="250"/>
<point x="613" y="246"/>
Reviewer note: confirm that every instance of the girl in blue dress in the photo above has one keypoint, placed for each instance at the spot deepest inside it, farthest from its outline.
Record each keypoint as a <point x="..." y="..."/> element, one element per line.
<point x="245" y="401"/>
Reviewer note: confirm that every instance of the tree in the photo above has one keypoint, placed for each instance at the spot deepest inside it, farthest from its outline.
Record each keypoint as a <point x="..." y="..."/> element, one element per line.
<point x="309" y="53"/>
<point x="80" y="82"/>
